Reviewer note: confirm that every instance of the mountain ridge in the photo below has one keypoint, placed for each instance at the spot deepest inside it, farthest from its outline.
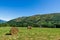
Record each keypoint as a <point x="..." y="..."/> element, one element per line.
<point x="2" y="21"/>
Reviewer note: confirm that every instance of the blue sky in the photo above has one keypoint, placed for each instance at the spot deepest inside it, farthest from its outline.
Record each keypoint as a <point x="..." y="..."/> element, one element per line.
<point x="10" y="9"/>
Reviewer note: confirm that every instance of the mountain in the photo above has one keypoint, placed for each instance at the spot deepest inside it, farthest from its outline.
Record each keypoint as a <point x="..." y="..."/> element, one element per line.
<point x="45" y="20"/>
<point x="2" y="21"/>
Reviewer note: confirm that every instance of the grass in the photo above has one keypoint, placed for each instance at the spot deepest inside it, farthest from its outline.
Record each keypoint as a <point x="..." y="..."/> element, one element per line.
<point x="31" y="34"/>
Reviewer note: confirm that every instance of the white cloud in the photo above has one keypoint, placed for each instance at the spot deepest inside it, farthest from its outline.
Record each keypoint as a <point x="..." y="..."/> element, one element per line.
<point x="6" y="19"/>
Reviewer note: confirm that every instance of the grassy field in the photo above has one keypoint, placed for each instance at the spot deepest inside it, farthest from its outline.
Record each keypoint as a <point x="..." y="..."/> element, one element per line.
<point x="32" y="34"/>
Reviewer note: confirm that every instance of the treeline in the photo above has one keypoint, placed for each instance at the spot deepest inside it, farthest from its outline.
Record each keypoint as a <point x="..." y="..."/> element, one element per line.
<point x="42" y="24"/>
<point x="24" y="24"/>
<point x="47" y="20"/>
<point x="4" y="25"/>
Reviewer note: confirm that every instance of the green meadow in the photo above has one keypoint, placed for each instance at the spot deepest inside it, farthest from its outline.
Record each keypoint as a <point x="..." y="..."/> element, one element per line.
<point x="31" y="34"/>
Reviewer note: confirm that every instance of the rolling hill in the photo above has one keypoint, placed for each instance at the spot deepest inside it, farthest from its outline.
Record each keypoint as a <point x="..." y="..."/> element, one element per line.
<point x="45" y="20"/>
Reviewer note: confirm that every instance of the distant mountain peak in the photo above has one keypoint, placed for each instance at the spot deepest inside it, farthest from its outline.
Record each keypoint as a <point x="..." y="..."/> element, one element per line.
<point x="2" y="21"/>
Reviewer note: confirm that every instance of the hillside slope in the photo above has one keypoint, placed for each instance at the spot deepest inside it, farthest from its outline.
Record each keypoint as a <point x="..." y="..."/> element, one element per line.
<point x="46" y="20"/>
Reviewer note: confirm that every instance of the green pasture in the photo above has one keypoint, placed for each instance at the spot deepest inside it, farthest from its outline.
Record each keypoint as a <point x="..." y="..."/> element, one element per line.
<point x="31" y="34"/>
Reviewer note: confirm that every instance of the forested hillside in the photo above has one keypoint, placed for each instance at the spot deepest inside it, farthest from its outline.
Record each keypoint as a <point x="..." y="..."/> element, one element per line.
<point x="45" y="20"/>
